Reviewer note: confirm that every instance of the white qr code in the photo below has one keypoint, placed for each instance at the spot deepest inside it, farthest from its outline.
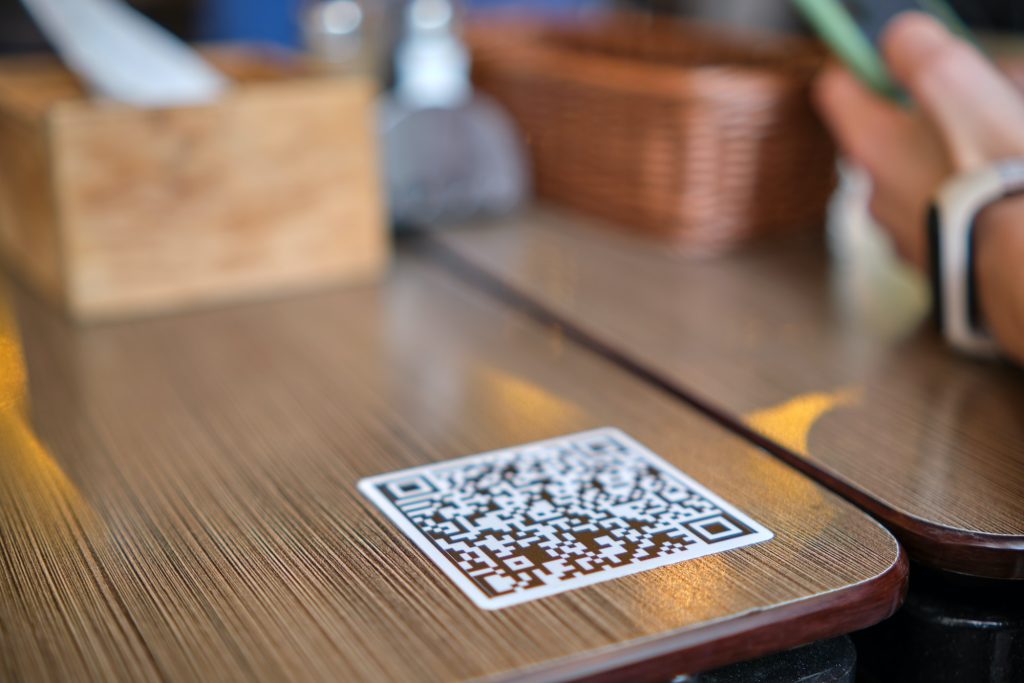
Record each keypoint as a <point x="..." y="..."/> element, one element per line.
<point x="527" y="522"/>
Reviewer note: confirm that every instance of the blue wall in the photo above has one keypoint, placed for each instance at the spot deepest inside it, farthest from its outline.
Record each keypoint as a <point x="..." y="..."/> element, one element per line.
<point x="273" y="21"/>
<point x="276" y="20"/>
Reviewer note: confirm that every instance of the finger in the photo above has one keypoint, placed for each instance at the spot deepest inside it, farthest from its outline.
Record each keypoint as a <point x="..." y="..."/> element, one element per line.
<point x="853" y="113"/>
<point x="973" y="104"/>
<point x="1014" y="70"/>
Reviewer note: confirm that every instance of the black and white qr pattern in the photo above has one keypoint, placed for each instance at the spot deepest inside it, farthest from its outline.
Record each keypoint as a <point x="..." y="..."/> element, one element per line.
<point x="535" y="520"/>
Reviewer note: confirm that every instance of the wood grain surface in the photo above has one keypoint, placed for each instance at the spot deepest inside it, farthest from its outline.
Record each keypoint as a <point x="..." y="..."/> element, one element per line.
<point x="178" y="501"/>
<point x="835" y="367"/>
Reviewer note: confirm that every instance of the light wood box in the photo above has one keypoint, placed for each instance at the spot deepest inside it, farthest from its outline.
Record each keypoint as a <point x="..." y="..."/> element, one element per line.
<point x="112" y="211"/>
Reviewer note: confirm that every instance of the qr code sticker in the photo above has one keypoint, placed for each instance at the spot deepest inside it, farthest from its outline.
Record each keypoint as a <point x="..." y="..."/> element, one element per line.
<point x="527" y="522"/>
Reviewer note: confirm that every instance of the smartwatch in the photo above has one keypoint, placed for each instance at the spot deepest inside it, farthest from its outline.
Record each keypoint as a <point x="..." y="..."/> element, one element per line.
<point x="951" y="238"/>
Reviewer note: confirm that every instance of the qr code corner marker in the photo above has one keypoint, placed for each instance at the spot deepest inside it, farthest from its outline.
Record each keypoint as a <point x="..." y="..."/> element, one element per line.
<point x="530" y="521"/>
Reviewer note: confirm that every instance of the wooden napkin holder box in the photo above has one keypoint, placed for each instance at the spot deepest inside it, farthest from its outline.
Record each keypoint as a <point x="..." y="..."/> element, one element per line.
<point x="111" y="211"/>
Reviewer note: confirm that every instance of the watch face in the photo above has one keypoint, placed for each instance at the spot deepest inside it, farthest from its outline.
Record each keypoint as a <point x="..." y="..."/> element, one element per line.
<point x="973" y="305"/>
<point x="934" y="262"/>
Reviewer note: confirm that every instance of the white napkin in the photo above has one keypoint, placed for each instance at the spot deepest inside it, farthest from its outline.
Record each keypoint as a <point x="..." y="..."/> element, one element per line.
<point x="123" y="55"/>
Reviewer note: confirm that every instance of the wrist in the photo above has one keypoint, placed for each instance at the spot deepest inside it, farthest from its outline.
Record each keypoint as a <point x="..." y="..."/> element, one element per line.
<point x="999" y="257"/>
<point x="959" y="204"/>
<point x="997" y="221"/>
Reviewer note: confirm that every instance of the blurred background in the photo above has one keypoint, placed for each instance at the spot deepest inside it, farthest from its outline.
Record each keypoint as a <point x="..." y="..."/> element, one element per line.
<point x="468" y="117"/>
<point x="277" y="21"/>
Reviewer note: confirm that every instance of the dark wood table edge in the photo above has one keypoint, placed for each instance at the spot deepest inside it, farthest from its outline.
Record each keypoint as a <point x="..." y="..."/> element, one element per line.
<point x="989" y="556"/>
<point x="748" y="636"/>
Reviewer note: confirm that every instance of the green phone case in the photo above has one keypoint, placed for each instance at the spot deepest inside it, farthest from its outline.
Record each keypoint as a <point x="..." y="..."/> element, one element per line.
<point x="837" y="27"/>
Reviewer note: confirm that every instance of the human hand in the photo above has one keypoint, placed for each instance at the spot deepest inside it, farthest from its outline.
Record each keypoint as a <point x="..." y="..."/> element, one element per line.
<point x="966" y="115"/>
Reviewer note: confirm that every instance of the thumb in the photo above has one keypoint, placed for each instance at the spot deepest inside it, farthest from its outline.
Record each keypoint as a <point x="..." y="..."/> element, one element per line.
<point x="976" y="109"/>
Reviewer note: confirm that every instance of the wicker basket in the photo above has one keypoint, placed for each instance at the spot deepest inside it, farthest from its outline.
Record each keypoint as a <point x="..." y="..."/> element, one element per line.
<point x="698" y="136"/>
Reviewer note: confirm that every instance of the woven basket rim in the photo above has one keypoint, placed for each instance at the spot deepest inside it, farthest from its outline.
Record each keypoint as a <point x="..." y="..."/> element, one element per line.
<point x="641" y="77"/>
<point x="538" y="50"/>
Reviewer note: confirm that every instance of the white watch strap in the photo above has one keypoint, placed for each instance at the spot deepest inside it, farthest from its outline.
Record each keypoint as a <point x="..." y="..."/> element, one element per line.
<point x="959" y="202"/>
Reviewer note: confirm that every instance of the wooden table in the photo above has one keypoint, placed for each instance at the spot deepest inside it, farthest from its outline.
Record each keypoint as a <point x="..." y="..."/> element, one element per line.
<point x="836" y="369"/>
<point x="178" y="501"/>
